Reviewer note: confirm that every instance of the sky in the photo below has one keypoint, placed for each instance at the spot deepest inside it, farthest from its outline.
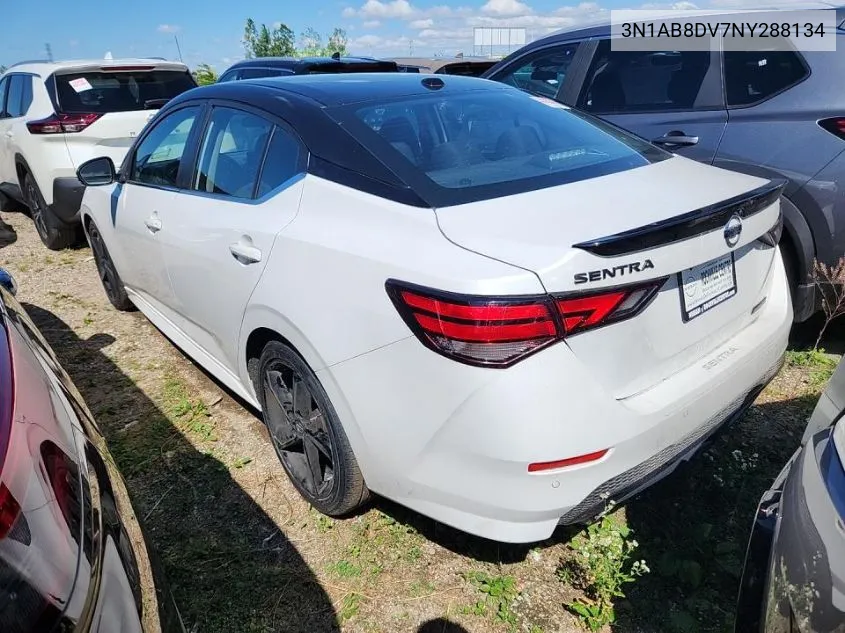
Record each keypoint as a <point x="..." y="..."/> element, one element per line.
<point x="211" y="31"/>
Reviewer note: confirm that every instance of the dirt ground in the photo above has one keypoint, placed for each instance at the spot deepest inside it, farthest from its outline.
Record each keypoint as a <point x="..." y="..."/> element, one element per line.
<point x="243" y="552"/>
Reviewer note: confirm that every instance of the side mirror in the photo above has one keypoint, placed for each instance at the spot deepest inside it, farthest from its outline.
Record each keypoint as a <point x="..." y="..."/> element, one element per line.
<point x="8" y="282"/>
<point x="97" y="172"/>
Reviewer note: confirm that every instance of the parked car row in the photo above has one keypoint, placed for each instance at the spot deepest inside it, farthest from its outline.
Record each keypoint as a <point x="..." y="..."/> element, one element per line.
<point x="398" y="269"/>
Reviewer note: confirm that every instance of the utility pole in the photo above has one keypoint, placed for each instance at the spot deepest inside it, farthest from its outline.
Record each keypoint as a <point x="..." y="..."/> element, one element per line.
<point x="411" y="48"/>
<point x="49" y="50"/>
<point x="178" y="48"/>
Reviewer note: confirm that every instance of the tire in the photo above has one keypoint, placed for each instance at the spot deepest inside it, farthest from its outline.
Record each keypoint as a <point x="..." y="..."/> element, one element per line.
<point x="54" y="233"/>
<point x="112" y="283"/>
<point x="303" y="425"/>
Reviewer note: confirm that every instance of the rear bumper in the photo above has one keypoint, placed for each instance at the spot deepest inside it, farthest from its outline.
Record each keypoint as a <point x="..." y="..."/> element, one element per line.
<point x="454" y="442"/>
<point x="67" y="199"/>
<point x="804" y="585"/>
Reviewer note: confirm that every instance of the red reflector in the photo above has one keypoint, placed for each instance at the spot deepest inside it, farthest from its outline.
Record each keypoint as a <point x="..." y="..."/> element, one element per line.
<point x="571" y="461"/>
<point x="62" y="123"/>
<point x="10" y="510"/>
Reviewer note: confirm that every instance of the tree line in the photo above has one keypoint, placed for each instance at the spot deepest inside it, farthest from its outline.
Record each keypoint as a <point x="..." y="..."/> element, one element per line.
<point x="280" y="41"/>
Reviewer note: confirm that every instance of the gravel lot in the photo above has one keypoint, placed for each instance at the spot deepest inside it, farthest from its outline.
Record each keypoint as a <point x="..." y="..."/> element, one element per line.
<point x="243" y="552"/>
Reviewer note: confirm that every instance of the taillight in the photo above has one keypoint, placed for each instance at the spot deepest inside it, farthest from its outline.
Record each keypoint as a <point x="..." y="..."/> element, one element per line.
<point x="591" y="310"/>
<point x="835" y="125"/>
<point x="499" y="331"/>
<point x="62" y="123"/>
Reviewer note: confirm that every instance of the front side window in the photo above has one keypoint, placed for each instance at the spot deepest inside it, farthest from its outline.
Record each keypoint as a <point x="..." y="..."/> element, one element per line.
<point x="644" y="81"/>
<point x="753" y="76"/>
<point x="119" y="91"/>
<point x="543" y="74"/>
<point x="232" y="152"/>
<point x="258" y="73"/>
<point x="492" y="143"/>
<point x="159" y="155"/>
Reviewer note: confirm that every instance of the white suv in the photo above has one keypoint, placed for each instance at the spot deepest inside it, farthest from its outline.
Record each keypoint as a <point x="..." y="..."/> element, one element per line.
<point x="55" y="116"/>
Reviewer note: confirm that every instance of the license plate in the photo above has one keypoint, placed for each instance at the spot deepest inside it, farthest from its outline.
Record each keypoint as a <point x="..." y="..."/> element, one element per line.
<point x="705" y="286"/>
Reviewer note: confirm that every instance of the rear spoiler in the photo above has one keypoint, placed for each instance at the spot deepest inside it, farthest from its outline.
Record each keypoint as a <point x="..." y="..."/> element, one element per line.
<point x="683" y="227"/>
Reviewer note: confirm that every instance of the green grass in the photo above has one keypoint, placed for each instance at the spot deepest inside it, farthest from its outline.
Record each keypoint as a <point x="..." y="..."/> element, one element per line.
<point x="818" y="364"/>
<point x="498" y="596"/>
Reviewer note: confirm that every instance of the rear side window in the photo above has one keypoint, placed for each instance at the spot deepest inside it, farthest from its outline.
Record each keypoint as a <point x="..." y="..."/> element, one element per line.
<point x="652" y="81"/>
<point x="159" y="155"/>
<point x="119" y="91"/>
<point x="4" y="88"/>
<point x="492" y="143"/>
<point x="282" y="162"/>
<point x="753" y="76"/>
<point x="232" y="152"/>
<point x="544" y="73"/>
<point x="15" y="99"/>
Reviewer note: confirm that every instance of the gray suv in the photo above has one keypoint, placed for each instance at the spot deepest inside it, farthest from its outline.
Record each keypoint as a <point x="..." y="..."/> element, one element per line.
<point x="774" y="113"/>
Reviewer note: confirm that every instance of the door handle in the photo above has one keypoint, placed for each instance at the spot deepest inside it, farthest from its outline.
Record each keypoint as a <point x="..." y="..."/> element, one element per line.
<point x="153" y="223"/>
<point x="675" y="139"/>
<point x="245" y="253"/>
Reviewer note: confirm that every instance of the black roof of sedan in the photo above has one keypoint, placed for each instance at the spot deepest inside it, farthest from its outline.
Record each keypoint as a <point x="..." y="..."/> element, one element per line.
<point x="338" y="89"/>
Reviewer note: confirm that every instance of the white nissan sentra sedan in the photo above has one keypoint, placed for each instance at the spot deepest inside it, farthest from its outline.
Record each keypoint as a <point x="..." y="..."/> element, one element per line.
<point x="492" y="309"/>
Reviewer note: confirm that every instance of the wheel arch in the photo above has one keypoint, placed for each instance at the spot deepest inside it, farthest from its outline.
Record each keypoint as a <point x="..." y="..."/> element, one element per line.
<point x="263" y="324"/>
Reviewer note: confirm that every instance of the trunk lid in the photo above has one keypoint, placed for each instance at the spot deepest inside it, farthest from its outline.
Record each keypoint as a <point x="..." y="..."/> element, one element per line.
<point x="612" y="231"/>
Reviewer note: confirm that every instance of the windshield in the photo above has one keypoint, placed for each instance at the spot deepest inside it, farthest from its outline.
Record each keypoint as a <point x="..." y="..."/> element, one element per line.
<point x="482" y="144"/>
<point x="123" y="91"/>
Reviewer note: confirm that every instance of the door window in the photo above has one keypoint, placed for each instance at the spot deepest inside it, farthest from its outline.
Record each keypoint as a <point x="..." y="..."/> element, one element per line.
<point x="159" y="155"/>
<point x="282" y="162"/>
<point x="621" y="82"/>
<point x="16" y="93"/>
<point x="753" y="76"/>
<point x="232" y="152"/>
<point x="543" y="74"/>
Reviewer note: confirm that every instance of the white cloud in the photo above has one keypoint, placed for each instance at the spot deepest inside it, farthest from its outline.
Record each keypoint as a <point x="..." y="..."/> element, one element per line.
<point x="375" y="42"/>
<point x="505" y="8"/>
<point x="372" y="24"/>
<point x="388" y="10"/>
<point x="349" y="12"/>
<point x="168" y="28"/>
<point x="422" y="24"/>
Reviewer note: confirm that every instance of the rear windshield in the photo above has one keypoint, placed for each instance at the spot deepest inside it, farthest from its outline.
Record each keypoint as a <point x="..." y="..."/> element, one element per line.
<point x="122" y="91"/>
<point x="483" y="144"/>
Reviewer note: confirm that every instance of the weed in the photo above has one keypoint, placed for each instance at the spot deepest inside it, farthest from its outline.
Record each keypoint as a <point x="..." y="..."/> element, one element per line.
<point x="190" y="415"/>
<point x="598" y="564"/>
<point x="820" y="365"/>
<point x="350" y="605"/>
<point x="88" y="320"/>
<point x="499" y="594"/>
<point x="413" y="554"/>
<point x="830" y="280"/>
<point x="345" y="569"/>
<point x="23" y="267"/>
<point x="355" y="550"/>
<point x="324" y="523"/>
<point x="421" y="588"/>
<point x="240" y="462"/>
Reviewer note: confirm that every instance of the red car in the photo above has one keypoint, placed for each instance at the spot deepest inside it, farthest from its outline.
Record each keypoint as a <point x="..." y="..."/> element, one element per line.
<point x="73" y="556"/>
